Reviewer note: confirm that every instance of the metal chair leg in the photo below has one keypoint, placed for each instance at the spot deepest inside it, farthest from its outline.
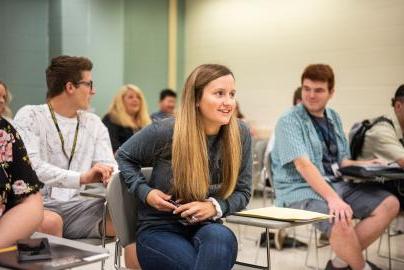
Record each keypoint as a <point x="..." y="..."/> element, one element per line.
<point x="389" y="245"/>
<point x="268" y="250"/>
<point x="104" y="230"/>
<point x="306" y="261"/>
<point x="317" y="246"/>
<point x="117" y="256"/>
<point x="315" y="242"/>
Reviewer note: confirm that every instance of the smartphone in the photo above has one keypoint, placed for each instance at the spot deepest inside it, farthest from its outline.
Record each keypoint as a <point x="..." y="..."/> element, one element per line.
<point x="33" y="249"/>
<point x="187" y="220"/>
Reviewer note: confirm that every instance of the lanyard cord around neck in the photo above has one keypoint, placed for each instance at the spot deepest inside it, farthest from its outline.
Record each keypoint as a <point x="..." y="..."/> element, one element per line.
<point x="61" y="136"/>
<point x="327" y="139"/>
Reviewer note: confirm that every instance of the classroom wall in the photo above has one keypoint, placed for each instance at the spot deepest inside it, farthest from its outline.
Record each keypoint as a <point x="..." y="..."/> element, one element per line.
<point x="127" y="41"/>
<point x="95" y="29"/>
<point x="268" y="43"/>
<point x="146" y="47"/>
<point x="24" y="49"/>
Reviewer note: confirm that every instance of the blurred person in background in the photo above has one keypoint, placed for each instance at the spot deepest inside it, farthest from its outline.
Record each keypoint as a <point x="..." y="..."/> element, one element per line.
<point x="126" y="115"/>
<point x="167" y="102"/>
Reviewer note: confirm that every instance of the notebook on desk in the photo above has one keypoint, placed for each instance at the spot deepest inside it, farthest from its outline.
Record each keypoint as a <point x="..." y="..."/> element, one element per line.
<point x="284" y="214"/>
<point x="62" y="257"/>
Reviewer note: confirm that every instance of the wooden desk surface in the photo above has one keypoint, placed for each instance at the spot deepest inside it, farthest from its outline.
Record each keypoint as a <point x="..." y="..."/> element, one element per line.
<point x="264" y="223"/>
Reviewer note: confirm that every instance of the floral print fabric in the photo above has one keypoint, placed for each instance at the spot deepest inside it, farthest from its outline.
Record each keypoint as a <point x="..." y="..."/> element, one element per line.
<point x="17" y="178"/>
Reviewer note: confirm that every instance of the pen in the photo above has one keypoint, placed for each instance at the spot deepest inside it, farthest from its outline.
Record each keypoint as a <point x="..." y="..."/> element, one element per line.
<point x="7" y="249"/>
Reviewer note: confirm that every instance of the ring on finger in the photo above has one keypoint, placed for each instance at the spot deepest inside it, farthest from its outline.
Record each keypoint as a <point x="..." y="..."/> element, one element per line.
<point x="194" y="219"/>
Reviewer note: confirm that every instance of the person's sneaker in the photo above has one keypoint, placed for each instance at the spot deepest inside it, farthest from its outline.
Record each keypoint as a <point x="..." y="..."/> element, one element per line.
<point x="263" y="239"/>
<point x="329" y="266"/>
<point x="324" y="239"/>
<point x="373" y="266"/>
<point x="279" y="238"/>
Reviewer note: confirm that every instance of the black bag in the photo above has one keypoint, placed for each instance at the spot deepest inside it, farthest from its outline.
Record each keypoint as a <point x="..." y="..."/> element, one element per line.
<point x="358" y="132"/>
<point x="372" y="173"/>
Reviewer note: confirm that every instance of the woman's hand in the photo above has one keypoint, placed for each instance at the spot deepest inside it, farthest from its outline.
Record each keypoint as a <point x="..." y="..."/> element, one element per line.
<point x="196" y="212"/>
<point x="159" y="200"/>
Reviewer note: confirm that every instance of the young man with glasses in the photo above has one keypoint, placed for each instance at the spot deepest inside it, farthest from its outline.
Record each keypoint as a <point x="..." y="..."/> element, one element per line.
<point x="68" y="147"/>
<point x="310" y="146"/>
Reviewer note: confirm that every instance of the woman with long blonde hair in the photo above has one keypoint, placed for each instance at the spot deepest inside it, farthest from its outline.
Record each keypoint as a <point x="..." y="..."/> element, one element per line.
<point x="126" y="115"/>
<point x="201" y="163"/>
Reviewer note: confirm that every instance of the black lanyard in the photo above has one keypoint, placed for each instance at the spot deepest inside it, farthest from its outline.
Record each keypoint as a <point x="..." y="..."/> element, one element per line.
<point x="331" y="147"/>
<point x="61" y="136"/>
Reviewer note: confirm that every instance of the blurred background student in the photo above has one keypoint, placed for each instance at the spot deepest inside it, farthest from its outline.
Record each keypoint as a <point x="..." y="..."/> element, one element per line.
<point x="127" y="114"/>
<point x="167" y="102"/>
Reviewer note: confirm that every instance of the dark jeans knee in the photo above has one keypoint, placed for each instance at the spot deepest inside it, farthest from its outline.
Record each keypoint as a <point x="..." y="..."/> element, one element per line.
<point x="218" y="241"/>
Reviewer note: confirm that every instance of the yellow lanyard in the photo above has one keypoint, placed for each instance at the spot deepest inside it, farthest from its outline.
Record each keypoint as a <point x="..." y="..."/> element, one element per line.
<point x="61" y="136"/>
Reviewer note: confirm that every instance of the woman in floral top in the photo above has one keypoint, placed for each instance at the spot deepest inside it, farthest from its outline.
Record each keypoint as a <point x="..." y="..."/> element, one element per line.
<point x="21" y="209"/>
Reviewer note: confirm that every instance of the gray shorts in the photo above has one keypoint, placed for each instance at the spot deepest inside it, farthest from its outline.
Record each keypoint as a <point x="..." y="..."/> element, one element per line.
<point x="363" y="199"/>
<point x="81" y="218"/>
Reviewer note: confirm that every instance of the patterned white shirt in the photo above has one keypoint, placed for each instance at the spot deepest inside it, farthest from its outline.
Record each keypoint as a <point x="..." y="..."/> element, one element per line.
<point x="40" y="136"/>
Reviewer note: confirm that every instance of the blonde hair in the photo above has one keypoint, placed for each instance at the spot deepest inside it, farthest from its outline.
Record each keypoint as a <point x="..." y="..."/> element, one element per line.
<point x="120" y="116"/>
<point x="190" y="160"/>
<point x="7" y="111"/>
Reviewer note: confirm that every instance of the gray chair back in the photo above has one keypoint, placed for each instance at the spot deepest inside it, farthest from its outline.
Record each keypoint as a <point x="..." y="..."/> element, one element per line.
<point x="122" y="207"/>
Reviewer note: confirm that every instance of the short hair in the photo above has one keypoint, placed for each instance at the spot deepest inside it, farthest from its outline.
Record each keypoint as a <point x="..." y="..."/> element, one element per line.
<point x="64" y="69"/>
<point x="297" y="95"/>
<point x="398" y="96"/>
<point x="319" y="72"/>
<point x="167" y="93"/>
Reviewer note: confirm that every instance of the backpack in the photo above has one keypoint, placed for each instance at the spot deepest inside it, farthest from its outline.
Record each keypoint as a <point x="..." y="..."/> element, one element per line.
<point x="358" y="132"/>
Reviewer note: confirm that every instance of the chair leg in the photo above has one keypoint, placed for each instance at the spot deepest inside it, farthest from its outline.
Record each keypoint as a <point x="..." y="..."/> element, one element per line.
<point x="294" y="237"/>
<point x="257" y="249"/>
<point x="315" y="243"/>
<point x="389" y="245"/>
<point x="316" y="246"/>
<point x="117" y="256"/>
<point x="268" y="249"/>
<point x="104" y="224"/>
<point x="104" y="230"/>
<point x="379" y="253"/>
<point x="306" y="261"/>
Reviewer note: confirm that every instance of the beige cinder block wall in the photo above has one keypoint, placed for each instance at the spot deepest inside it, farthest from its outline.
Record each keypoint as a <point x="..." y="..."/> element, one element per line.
<point x="267" y="43"/>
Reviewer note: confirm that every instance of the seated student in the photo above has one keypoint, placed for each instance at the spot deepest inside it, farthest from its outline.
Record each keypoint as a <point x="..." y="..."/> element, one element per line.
<point x="167" y="105"/>
<point x="21" y="209"/>
<point x="386" y="141"/>
<point x="310" y="145"/>
<point x="201" y="171"/>
<point x="68" y="147"/>
<point x="126" y="115"/>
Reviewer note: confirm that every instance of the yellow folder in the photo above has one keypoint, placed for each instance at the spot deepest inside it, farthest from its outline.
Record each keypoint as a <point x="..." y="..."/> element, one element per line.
<point x="284" y="214"/>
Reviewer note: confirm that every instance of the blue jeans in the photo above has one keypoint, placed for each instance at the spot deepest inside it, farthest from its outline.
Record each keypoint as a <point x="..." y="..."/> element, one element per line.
<point x="197" y="247"/>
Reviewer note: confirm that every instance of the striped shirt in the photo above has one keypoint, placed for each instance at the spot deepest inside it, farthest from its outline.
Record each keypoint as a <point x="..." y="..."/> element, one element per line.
<point x="296" y="137"/>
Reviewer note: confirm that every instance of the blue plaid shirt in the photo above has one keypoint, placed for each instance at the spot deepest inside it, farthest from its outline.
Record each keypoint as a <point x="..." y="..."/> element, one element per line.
<point x="297" y="137"/>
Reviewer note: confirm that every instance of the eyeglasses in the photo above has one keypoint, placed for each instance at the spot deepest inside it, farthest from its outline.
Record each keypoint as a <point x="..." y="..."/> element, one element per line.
<point x="89" y="84"/>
